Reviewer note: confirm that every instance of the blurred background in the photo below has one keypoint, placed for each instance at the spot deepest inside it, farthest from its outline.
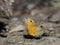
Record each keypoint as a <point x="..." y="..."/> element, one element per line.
<point x="13" y="12"/>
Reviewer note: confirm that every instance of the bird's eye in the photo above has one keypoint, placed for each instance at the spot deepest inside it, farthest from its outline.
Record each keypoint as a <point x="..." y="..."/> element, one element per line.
<point x="41" y="26"/>
<point x="30" y="21"/>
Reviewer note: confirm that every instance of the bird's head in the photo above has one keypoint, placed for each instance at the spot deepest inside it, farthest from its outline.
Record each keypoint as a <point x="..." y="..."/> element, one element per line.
<point x="29" y="21"/>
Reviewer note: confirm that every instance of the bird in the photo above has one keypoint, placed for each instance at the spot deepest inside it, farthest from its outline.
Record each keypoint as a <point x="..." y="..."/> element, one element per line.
<point x="33" y="28"/>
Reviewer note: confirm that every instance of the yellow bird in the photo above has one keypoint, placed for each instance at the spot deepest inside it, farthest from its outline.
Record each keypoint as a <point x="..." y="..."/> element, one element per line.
<point x="33" y="28"/>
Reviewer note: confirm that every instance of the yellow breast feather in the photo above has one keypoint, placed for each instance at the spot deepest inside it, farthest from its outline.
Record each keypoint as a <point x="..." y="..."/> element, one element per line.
<point x="30" y="27"/>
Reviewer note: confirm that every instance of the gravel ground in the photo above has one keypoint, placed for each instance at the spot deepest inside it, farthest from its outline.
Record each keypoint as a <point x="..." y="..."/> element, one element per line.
<point x="16" y="38"/>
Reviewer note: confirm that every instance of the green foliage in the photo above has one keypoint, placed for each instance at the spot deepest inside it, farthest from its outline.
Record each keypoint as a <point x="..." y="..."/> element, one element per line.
<point x="53" y="2"/>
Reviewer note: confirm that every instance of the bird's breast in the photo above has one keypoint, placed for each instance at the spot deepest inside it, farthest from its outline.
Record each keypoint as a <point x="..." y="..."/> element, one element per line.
<point x="31" y="30"/>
